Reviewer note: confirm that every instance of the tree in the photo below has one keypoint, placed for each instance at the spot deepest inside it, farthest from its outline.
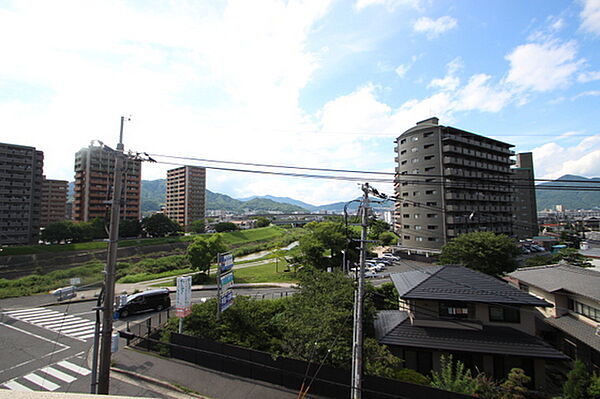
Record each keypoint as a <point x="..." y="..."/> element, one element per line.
<point x="57" y="232"/>
<point x="322" y="247"/>
<point x="387" y="238"/>
<point x="482" y="251"/>
<point x="578" y="381"/>
<point x="159" y="225"/>
<point x="262" y="221"/>
<point x="197" y="226"/>
<point x="130" y="228"/>
<point x="203" y="251"/>
<point x="225" y="226"/>
<point x="572" y="257"/>
<point x="453" y="377"/>
<point x="594" y="388"/>
<point x="376" y="228"/>
<point x="514" y="386"/>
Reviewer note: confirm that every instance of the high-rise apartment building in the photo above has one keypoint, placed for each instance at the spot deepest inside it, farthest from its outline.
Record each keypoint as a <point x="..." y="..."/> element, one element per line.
<point x="54" y="201"/>
<point x="450" y="182"/>
<point x="21" y="174"/>
<point x="186" y="192"/>
<point x="94" y="178"/>
<point x="525" y="223"/>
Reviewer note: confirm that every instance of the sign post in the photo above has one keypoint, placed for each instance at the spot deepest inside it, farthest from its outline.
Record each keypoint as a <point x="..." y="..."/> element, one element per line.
<point x="183" y="301"/>
<point x="224" y="282"/>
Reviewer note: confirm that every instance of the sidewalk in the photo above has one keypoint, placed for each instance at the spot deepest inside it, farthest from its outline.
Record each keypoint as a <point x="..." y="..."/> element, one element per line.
<point x="205" y="382"/>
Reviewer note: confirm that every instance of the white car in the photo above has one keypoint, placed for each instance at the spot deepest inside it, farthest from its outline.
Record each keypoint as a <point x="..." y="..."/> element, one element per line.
<point x="390" y="256"/>
<point x="370" y="273"/>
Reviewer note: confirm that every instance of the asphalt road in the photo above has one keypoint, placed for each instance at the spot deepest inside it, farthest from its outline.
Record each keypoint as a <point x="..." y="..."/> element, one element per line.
<point x="45" y="346"/>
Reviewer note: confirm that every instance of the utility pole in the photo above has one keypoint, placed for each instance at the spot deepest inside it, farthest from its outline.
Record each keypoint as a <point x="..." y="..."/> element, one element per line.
<point x="357" y="342"/>
<point x="109" y="278"/>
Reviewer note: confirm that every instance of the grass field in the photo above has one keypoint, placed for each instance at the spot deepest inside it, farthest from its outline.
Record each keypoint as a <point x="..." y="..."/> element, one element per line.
<point x="253" y="235"/>
<point x="136" y="278"/>
<point x="267" y="273"/>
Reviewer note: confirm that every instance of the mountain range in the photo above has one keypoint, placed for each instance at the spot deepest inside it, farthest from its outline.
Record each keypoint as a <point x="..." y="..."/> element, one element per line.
<point x="153" y="197"/>
<point x="573" y="198"/>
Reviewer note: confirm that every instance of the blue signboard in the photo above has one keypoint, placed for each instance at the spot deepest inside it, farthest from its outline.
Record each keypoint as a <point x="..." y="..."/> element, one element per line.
<point x="226" y="281"/>
<point x="225" y="262"/>
<point x="226" y="300"/>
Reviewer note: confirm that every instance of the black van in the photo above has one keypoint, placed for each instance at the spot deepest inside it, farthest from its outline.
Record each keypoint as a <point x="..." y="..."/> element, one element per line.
<point x="147" y="300"/>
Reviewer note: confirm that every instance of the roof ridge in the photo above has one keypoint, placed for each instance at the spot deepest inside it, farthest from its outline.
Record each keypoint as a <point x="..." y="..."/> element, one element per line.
<point x="439" y="268"/>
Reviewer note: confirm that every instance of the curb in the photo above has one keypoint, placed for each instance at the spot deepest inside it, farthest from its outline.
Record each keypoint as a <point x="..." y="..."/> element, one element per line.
<point x="151" y="380"/>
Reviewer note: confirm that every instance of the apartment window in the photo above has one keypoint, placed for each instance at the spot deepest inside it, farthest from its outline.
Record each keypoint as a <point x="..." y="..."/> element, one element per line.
<point x="426" y="146"/>
<point x="402" y="152"/>
<point x="434" y="239"/>
<point x="402" y="141"/>
<point x="431" y="203"/>
<point x="405" y="205"/>
<point x="417" y="227"/>
<point x="415" y="171"/>
<point x="406" y="237"/>
<point x="416" y="193"/>
<point x="406" y="226"/>
<point x="430" y="192"/>
<point x="455" y="310"/>
<point x="416" y="215"/>
<point x="429" y="169"/>
<point x="414" y="149"/>
<point x="418" y="238"/>
<point x="427" y="134"/>
<point x="403" y="162"/>
<point x="505" y="314"/>
<point x="429" y="180"/>
<point x="428" y="157"/>
<point x="432" y="215"/>
<point x="587" y="311"/>
<point x="432" y="227"/>
<point x="404" y="173"/>
<point x="405" y="194"/>
<point x="405" y="184"/>
<point x="415" y="138"/>
<point x="414" y="160"/>
<point x="406" y="215"/>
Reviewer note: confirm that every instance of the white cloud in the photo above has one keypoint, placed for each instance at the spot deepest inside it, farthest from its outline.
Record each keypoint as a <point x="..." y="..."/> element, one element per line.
<point x="479" y="95"/>
<point x="552" y="160"/>
<point x="568" y="134"/>
<point x="590" y="16"/>
<point x="434" y="27"/>
<point x="390" y="5"/>
<point x="402" y="69"/>
<point x="589" y="76"/>
<point x="543" y="66"/>
<point x="589" y="93"/>
<point x="450" y="81"/>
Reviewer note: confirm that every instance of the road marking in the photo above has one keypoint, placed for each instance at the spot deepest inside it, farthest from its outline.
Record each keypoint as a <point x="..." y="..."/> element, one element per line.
<point x="58" y="374"/>
<point x="88" y="336"/>
<point x="74" y="367"/>
<point x="52" y="320"/>
<point x="83" y="332"/>
<point x="15" y="386"/>
<point x="43" y="382"/>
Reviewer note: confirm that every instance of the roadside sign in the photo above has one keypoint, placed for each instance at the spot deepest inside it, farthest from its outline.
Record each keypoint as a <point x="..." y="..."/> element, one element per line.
<point x="75" y="281"/>
<point x="183" y="301"/>
<point x="225" y="282"/>
<point x="225" y="262"/>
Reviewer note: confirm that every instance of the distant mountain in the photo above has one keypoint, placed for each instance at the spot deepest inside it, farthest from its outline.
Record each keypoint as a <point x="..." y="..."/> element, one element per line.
<point x="338" y="207"/>
<point x="571" y="199"/>
<point x="154" y="193"/>
<point x="283" y="200"/>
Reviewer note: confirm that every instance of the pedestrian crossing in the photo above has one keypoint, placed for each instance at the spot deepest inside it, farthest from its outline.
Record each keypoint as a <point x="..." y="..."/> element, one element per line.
<point x="49" y="378"/>
<point x="72" y="326"/>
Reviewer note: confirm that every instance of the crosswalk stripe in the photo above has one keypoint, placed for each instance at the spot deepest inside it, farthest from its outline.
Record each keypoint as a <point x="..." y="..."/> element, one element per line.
<point x="88" y="336"/>
<point x="36" y="313"/>
<point x="58" y="323"/>
<point x="83" y="332"/>
<point x="35" y="319"/>
<point x="74" y="367"/>
<point x="24" y="310"/>
<point x="58" y="374"/>
<point x="15" y="386"/>
<point x="75" y="327"/>
<point x="43" y="382"/>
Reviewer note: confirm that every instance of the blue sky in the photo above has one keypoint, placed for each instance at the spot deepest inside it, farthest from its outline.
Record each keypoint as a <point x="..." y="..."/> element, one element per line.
<point x="326" y="84"/>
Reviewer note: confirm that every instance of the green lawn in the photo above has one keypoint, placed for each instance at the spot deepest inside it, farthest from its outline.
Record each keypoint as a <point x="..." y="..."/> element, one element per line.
<point x="252" y="235"/>
<point x="264" y="274"/>
<point x="136" y="278"/>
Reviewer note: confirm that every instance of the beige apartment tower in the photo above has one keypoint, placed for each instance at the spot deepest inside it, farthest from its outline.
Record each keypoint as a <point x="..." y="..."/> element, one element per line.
<point x="94" y="178"/>
<point x="54" y="201"/>
<point x="449" y="182"/>
<point x="186" y="195"/>
<point x="525" y="223"/>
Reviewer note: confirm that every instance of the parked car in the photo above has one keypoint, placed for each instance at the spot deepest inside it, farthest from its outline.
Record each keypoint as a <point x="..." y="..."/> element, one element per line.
<point x="390" y="256"/>
<point x="370" y="273"/>
<point x="142" y="301"/>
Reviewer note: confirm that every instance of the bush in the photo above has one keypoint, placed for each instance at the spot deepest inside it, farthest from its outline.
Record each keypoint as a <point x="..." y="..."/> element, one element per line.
<point x="412" y="376"/>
